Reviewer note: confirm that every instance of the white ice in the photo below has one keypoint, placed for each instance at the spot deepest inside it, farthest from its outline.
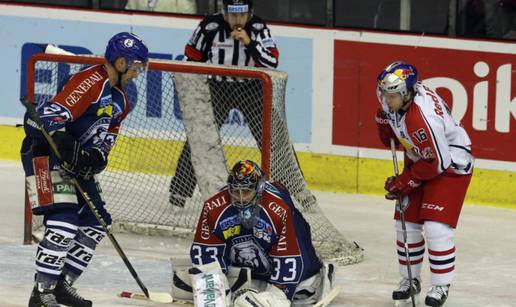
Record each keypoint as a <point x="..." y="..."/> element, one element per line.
<point x="485" y="272"/>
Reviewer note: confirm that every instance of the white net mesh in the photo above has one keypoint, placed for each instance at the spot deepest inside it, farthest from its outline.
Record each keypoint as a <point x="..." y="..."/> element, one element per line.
<point x="150" y="174"/>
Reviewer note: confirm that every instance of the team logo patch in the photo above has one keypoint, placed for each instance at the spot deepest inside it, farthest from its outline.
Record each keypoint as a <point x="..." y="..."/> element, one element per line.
<point x="403" y="73"/>
<point x="231" y="231"/>
<point x="245" y="169"/>
<point x="428" y="154"/>
<point x="129" y="42"/>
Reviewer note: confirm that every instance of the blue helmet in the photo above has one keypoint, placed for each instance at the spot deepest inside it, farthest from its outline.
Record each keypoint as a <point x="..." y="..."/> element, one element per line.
<point x="398" y="77"/>
<point x="128" y="46"/>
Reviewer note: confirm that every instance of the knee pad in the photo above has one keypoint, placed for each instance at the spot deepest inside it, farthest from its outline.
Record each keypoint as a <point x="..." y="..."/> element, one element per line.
<point x="438" y="231"/>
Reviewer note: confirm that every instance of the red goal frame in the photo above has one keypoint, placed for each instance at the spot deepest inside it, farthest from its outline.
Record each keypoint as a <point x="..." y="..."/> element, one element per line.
<point x="170" y="66"/>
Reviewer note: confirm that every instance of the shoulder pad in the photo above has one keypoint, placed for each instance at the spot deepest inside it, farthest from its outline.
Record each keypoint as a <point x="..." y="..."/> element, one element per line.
<point x="212" y="26"/>
<point x="258" y="26"/>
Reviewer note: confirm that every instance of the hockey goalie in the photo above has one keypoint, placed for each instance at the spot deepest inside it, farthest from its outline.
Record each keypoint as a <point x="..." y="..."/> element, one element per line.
<point x="252" y="247"/>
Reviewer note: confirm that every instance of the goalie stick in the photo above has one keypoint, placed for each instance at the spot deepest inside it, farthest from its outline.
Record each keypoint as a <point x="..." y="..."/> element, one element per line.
<point x="31" y="110"/>
<point x="156" y="297"/>
<point x="328" y="298"/>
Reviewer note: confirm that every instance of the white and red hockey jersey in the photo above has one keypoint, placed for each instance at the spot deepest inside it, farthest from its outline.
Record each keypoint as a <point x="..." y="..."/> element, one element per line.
<point x="434" y="141"/>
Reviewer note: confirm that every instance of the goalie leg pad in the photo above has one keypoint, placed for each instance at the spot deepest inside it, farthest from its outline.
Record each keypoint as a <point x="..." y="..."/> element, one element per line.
<point x="239" y="279"/>
<point x="271" y="297"/>
<point x="313" y="289"/>
<point x="210" y="285"/>
<point x="182" y="285"/>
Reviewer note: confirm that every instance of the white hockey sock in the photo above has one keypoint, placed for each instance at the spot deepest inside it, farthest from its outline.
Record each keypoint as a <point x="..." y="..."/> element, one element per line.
<point x="441" y="252"/>
<point x="416" y="246"/>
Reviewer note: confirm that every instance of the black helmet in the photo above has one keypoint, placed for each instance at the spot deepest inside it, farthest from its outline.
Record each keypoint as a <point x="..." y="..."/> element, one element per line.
<point x="237" y="6"/>
<point x="245" y="178"/>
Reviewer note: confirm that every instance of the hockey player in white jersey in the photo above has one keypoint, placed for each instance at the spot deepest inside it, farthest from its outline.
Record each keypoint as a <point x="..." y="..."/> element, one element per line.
<point x="436" y="175"/>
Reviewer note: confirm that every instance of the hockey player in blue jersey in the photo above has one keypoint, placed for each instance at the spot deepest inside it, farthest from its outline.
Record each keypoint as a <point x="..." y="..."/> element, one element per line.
<point x="83" y="119"/>
<point x="252" y="223"/>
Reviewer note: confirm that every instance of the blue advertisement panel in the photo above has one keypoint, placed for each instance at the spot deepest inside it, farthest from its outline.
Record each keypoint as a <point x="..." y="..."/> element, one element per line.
<point x="89" y="37"/>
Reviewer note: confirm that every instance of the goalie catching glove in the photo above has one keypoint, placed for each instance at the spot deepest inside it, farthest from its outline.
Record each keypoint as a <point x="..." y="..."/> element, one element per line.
<point x="76" y="161"/>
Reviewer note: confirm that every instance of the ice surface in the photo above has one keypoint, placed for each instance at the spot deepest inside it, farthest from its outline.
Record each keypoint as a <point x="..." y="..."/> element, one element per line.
<point x="485" y="266"/>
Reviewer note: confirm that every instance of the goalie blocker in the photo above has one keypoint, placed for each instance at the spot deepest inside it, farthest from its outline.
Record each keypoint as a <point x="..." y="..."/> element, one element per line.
<point x="253" y="223"/>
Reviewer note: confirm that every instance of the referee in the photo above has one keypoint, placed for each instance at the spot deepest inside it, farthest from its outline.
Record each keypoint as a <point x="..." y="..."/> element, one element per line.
<point x="234" y="37"/>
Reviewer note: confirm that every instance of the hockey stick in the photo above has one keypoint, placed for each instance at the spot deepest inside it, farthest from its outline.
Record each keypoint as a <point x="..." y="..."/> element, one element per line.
<point x="328" y="298"/>
<point x="156" y="297"/>
<point x="403" y="225"/>
<point x="31" y="110"/>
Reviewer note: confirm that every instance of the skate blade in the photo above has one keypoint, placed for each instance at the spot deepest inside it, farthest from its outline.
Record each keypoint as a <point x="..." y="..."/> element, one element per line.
<point x="158" y="297"/>
<point x="407" y="302"/>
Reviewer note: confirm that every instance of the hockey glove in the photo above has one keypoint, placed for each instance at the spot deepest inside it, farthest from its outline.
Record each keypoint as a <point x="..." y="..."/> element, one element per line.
<point x="401" y="185"/>
<point x="384" y="129"/>
<point x="77" y="161"/>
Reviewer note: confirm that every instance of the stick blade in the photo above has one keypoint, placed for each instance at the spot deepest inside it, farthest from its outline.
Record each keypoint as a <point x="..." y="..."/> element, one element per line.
<point x="158" y="297"/>
<point x="328" y="298"/>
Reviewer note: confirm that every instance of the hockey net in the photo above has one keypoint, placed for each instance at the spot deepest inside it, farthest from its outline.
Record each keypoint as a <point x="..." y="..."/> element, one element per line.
<point x="170" y="101"/>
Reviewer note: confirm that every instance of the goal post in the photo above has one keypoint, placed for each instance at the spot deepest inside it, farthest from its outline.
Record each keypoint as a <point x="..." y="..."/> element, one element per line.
<point x="189" y="123"/>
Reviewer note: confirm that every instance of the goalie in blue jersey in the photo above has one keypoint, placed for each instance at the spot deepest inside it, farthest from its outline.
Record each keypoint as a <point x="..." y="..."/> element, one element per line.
<point x="252" y="225"/>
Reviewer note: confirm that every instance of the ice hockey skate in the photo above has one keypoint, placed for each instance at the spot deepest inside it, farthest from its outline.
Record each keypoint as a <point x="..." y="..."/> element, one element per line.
<point x="67" y="295"/>
<point x="401" y="296"/>
<point x="43" y="298"/>
<point x="437" y="296"/>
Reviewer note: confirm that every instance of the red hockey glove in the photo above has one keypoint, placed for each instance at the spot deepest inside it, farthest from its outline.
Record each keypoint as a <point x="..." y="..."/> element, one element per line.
<point x="401" y="185"/>
<point x="384" y="129"/>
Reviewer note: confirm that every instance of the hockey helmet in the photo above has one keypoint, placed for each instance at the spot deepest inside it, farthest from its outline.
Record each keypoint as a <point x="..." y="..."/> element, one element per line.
<point x="128" y="46"/>
<point x="246" y="182"/>
<point x="237" y="6"/>
<point x="398" y="77"/>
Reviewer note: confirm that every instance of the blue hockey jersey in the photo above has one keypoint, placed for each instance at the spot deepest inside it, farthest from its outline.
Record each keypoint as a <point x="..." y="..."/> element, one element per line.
<point x="278" y="249"/>
<point x="88" y="108"/>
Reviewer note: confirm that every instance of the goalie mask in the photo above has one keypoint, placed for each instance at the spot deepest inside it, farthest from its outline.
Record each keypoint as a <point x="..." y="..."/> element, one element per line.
<point x="398" y="78"/>
<point x="246" y="183"/>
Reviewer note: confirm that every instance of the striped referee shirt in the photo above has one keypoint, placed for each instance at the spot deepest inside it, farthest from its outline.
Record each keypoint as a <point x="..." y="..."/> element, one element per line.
<point x="211" y="42"/>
